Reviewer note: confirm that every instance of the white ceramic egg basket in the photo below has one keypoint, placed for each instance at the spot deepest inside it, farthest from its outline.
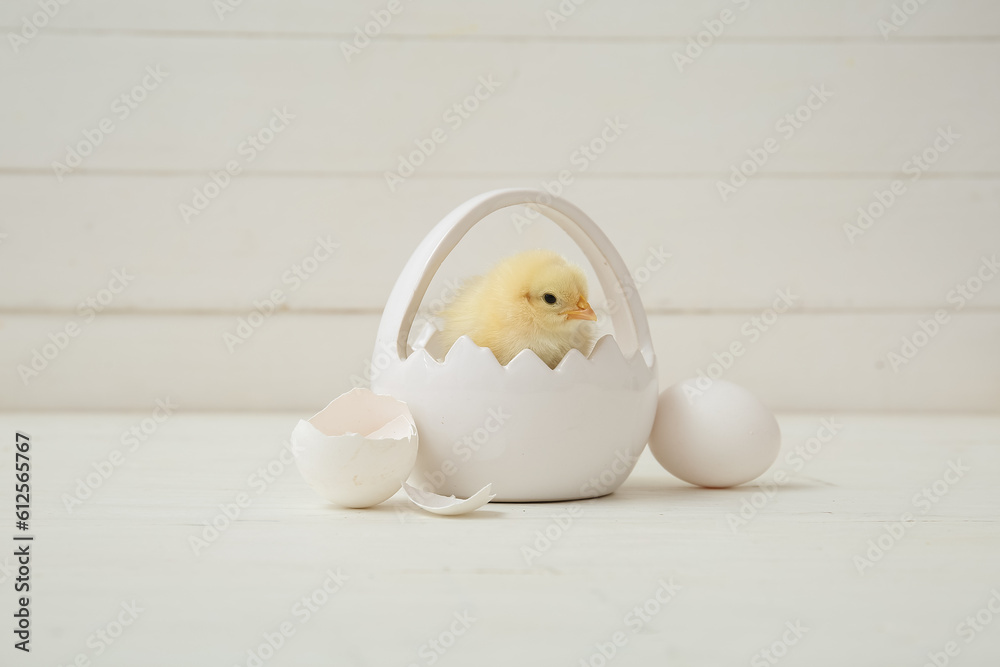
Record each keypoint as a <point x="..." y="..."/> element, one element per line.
<point x="535" y="433"/>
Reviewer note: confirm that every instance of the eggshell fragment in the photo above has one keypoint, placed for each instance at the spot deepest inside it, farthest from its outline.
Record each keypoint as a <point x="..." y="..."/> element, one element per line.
<point x="448" y="505"/>
<point x="358" y="450"/>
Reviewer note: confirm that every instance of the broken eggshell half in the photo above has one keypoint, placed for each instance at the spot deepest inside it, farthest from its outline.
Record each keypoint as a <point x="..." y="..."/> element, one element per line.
<point x="358" y="450"/>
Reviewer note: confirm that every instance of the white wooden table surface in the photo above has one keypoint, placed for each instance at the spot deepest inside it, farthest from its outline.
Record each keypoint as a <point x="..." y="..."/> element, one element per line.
<point x="411" y="577"/>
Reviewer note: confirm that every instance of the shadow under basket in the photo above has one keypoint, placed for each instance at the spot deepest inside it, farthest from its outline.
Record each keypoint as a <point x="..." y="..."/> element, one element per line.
<point x="534" y="433"/>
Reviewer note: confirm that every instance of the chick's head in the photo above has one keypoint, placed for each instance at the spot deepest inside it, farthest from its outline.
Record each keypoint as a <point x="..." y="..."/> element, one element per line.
<point x="546" y="291"/>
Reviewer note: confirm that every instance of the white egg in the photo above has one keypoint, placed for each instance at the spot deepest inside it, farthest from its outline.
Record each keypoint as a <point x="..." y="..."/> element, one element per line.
<point x="358" y="450"/>
<point x="715" y="436"/>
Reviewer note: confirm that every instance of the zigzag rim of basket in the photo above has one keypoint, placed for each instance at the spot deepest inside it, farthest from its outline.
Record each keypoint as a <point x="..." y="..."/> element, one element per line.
<point x="606" y="355"/>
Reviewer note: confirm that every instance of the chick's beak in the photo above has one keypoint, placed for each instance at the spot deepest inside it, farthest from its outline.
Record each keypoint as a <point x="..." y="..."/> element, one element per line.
<point x="583" y="311"/>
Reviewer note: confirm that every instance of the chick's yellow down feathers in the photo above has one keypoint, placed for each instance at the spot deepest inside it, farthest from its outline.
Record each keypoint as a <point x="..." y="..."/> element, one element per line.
<point x="534" y="300"/>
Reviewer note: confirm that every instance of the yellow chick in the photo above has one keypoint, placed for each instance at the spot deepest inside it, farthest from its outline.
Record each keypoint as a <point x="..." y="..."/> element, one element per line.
<point x="534" y="300"/>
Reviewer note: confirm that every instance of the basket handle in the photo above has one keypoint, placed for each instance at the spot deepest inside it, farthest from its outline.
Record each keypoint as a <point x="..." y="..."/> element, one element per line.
<point x="630" y="325"/>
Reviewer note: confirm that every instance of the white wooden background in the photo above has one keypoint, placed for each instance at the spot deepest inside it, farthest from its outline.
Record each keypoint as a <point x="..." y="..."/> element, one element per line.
<point x="655" y="186"/>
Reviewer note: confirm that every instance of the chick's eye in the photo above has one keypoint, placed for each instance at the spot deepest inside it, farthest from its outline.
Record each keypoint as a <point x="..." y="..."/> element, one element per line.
<point x="549" y="297"/>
